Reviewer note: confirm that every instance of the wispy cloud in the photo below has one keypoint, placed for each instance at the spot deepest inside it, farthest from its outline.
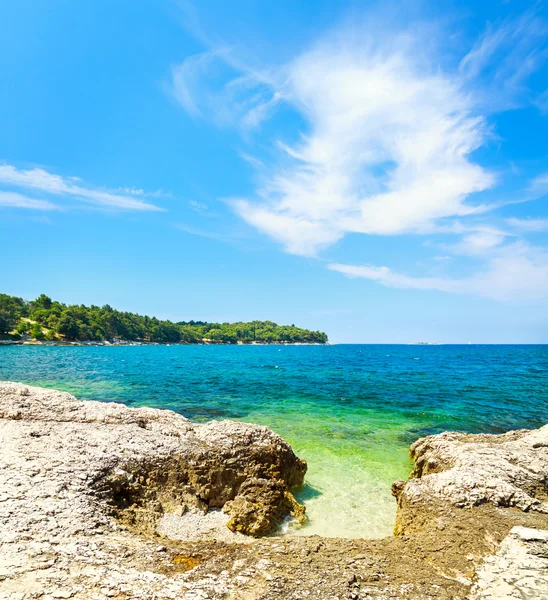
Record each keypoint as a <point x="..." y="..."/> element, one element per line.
<point x="506" y="55"/>
<point x="390" y="130"/>
<point x="200" y="207"/>
<point x="212" y="85"/>
<point x="480" y="241"/>
<point x="539" y="185"/>
<point x="387" y="152"/>
<point x="185" y="79"/>
<point x="541" y="102"/>
<point x="533" y="225"/>
<point x="255" y="162"/>
<point x="515" y="272"/>
<point x="205" y="234"/>
<point x="71" y="187"/>
<point x="15" y="200"/>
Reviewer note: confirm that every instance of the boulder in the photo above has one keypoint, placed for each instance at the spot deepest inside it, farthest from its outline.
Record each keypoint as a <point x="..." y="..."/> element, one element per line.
<point x="457" y="470"/>
<point x="141" y="463"/>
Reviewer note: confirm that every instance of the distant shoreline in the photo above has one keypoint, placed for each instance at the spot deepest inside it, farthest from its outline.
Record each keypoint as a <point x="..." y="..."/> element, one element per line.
<point x="46" y="320"/>
<point x="128" y="343"/>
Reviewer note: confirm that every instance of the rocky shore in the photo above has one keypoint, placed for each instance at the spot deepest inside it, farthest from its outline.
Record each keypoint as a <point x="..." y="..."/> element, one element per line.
<point x="102" y="501"/>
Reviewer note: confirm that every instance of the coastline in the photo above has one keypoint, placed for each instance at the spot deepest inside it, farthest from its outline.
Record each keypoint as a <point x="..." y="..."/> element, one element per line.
<point x="128" y="343"/>
<point x="44" y="319"/>
<point x="472" y="521"/>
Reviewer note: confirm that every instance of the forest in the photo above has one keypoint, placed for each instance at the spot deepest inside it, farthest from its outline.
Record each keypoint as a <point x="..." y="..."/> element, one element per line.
<point x="50" y="320"/>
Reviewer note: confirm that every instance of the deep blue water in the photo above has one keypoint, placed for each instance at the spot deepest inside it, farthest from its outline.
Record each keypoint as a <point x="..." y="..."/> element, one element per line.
<point x="350" y="410"/>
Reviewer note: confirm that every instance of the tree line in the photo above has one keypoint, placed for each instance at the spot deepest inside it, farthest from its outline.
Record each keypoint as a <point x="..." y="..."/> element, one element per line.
<point x="20" y="317"/>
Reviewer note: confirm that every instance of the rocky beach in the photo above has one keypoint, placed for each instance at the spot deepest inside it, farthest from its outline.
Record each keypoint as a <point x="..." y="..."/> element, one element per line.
<point x="98" y="500"/>
<point x="273" y="314"/>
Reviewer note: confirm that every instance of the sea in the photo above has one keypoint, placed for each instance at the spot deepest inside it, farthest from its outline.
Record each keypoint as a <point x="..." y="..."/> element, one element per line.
<point x="351" y="411"/>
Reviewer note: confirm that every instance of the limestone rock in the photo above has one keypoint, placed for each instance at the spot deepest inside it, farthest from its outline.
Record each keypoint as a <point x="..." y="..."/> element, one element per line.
<point x="71" y="470"/>
<point x="146" y="462"/>
<point x="464" y="471"/>
<point x="104" y="501"/>
<point x="488" y="494"/>
<point x="518" y="570"/>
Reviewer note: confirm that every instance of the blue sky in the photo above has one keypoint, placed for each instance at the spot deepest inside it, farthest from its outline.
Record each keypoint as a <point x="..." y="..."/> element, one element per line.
<point x="377" y="171"/>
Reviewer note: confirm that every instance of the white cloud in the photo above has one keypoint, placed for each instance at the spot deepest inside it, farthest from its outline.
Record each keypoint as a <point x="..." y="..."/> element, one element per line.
<point x="533" y="225"/>
<point x="298" y="235"/>
<point x="253" y="161"/>
<point x="387" y="150"/>
<point x="391" y="278"/>
<point x="390" y="132"/>
<point x="15" y="200"/>
<point x="211" y="85"/>
<point x="202" y="209"/>
<point x="130" y="190"/>
<point x="539" y="185"/>
<point x="506" y="55"/>
<point x="390" y="123"/>
<point x="51" y="184"/>
<point x="198" y="207"/>
<point x="479" y="242"/>
<point x="516" y="272"/>
<point x="186" y="77"/>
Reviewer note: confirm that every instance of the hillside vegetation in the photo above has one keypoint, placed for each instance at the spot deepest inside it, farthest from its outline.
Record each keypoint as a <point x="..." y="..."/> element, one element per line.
<point x="46" y="319"/>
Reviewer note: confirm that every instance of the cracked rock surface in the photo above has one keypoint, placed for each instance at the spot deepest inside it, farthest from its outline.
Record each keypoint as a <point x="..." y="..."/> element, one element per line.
<point x="518" y="570"/>
<point x="464" y="471"/>
<point x="104" y="501"/>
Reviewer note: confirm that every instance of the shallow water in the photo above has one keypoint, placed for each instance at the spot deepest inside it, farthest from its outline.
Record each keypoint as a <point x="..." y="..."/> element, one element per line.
<point x="351" y="410"/>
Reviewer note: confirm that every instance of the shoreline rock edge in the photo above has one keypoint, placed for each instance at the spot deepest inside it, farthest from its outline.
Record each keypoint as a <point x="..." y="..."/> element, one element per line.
<point x="84" y="486"/>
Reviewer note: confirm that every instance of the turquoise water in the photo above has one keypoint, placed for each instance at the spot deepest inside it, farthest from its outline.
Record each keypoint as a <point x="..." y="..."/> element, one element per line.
<point x="351" y="410"/>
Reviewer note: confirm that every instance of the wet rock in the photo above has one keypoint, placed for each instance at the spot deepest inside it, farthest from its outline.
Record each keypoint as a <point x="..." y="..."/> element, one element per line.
<point x="261" y="506"/>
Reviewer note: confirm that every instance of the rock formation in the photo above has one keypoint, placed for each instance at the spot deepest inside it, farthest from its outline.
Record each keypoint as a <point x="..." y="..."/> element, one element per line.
<point x="479" y="486"/>
<point x="104" y="501"/>
<point x="464" y="471"/>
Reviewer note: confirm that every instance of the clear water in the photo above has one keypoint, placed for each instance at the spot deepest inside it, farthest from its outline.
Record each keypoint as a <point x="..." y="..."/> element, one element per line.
<point x="351" y="411"/>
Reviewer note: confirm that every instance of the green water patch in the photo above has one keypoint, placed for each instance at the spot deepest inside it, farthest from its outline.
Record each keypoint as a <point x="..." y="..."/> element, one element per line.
<point x="353" y="458"/>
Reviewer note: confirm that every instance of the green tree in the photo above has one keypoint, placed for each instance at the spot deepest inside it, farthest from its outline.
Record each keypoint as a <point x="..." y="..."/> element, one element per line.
<point x="68" y="327"/>
<point x="214" y="334"/>
<point x="23" y="327"/>
<point x="36" y="332"/>
<point x="7" y="321"/>
<point x="12" y="309"/>
<point x="43" y="301"/>
<point x="166" y="333"/>
<point x="100" y="323"/>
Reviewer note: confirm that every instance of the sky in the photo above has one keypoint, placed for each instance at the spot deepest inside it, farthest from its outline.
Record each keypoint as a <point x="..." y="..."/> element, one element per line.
<point x="378" y="171"/>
